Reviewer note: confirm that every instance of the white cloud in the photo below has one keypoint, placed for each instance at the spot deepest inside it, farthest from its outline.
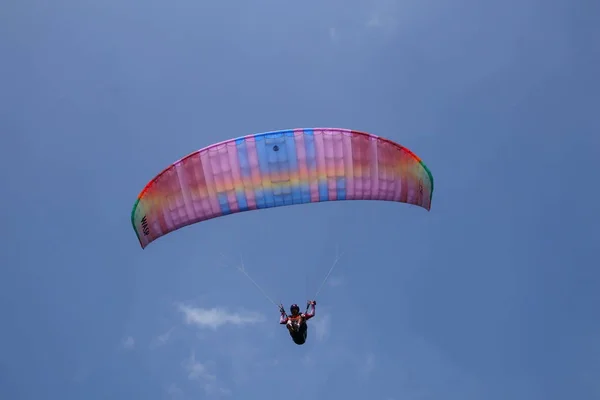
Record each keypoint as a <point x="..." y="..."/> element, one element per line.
<point x="128" y="343"/>
<point x="165" y="336"/>
<point x="162" y="339"/>
<point x="200" y="372"/>
<point x="216" y="317"/>
<point x="174" y="392"/>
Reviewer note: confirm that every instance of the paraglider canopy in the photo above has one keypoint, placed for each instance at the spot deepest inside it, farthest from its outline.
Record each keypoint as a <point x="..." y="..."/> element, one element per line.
<point x="280" y="168"/>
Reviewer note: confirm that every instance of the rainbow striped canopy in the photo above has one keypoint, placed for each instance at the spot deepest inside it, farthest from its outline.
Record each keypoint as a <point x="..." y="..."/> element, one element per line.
<point x="280" y="168"/>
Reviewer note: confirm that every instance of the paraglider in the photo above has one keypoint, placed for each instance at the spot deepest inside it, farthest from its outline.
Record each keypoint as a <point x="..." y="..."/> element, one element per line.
<point x="280" y="168"/>
<point x="296" y="322"/>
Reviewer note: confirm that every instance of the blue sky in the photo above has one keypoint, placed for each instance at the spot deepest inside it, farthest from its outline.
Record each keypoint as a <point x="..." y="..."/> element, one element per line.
<point x="491" y="295"/>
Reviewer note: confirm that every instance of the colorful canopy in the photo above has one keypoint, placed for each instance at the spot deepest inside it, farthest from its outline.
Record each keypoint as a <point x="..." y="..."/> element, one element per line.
<point x="273" y="169"/>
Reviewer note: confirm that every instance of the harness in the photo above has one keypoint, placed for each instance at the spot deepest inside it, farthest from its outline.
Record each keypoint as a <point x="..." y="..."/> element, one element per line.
<point x="297" y="320"/>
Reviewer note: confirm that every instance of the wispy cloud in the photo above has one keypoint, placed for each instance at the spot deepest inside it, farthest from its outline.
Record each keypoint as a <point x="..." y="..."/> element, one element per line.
<point x="200" y="372"/>
<point x="216" y="317"/>
<point x="174" y="392"/>
<point x="163" y="338"/>
<point x="128" y="343"/>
